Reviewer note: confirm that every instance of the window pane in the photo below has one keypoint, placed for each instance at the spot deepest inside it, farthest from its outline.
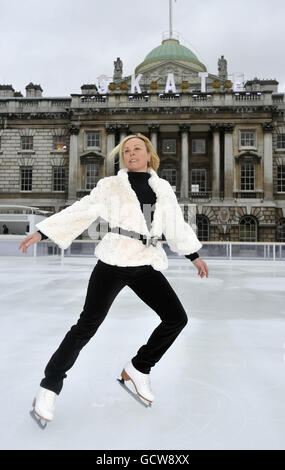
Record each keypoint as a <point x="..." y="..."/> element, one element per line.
<point x="247" y="138"/>
<point x="26" y="178"/>
<point x="248" y="229"/>
<point x="92" y="175"/>
<point x="93" y="139"/>
<point x="169" y="146"/>
<point x="59" y="142"/>
<point x="281" y="178"/>
<point x="281" y="141"/>
<point x="169" y="174"/>
<point x="247" y="176"/>
<point x="199" y="146"/>
<point x="59" y="178"/>
<point x="280" y="231"/>
<point x="27" y="142"/>
<point x="198" y="182"/>
<point x="203" y="228"/>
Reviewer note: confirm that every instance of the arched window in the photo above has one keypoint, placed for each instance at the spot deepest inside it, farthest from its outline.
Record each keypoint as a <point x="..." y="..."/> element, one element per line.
<point x="248" y="229"/>
<point x="280" y="231"/>
<point x="202" y="227"/>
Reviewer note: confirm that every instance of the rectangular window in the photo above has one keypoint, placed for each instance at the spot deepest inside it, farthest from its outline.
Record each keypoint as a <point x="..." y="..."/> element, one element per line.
<point x="26" y="178"/>
<point x="198" y="182"/>
<point x="59" y="142"/>
<point x="169" y="174"/>
<point x="199" y="146"/>
<point x="281" y="178"/>
<point x="27" y="142"/>
<point x="169" y="146"/>
<point x="58" y="178"/>
<point x="247" y="139"/>
<point x="247" y="176"/>
<point x="281" y="141"/>
<point x="93" y="139"/>
<point x="92" y="175"/>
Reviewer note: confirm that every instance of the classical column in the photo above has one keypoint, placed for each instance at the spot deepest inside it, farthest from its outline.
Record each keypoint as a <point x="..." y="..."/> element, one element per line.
<point x="216" y="161"/>
<point x="110" y="163"/>
<point x="123" y="128"/>
<point x="229" y="161"/>
<point x="267" y="161"/>
<point x="184" y="184"/>
<point x="73" y="162"/>
<point x="153" y="129"/>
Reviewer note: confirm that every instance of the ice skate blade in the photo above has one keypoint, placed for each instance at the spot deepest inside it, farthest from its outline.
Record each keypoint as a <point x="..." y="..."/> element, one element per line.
<point x="39" y="420"/>
<point x="134" y="395"/>
<point x="42" y="423"/>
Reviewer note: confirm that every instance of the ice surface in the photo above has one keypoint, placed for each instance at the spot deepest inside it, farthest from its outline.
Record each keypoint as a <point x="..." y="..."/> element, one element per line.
<point x="220" y="385"/>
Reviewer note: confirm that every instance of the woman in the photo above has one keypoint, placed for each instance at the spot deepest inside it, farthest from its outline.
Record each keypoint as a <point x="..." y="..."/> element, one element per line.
<point x="130" y="254"/>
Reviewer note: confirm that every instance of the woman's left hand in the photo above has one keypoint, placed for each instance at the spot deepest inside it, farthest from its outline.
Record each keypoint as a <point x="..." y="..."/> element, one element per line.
<point x="201" y="267"/>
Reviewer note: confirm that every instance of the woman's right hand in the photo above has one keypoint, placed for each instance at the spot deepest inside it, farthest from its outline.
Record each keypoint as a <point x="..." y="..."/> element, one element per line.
<point x="30" y="240"/>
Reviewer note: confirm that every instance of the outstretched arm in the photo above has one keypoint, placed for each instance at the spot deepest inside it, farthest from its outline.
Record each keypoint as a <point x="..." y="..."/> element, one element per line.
<point x="63" y="227"/>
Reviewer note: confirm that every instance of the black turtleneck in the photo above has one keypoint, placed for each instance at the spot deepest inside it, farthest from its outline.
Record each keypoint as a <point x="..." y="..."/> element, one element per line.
<point x="146" y="197"/>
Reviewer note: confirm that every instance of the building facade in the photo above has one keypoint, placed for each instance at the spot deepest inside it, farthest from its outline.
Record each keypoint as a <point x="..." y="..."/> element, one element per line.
<point x="221" y="149"/>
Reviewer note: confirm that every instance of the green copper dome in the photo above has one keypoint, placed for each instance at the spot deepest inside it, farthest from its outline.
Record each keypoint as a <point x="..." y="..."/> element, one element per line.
<point x="171" y="49"/>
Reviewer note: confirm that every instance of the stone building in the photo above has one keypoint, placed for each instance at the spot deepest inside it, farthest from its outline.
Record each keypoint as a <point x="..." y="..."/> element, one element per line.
<point x="221" y="149"/>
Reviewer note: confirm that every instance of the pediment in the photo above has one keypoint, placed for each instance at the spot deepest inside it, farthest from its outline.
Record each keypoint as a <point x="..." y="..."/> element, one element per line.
<point x="171" y="66"/>
<point x="159" y="72"/>
<point x="91" y="157"/>
<point x="248" y="156"/>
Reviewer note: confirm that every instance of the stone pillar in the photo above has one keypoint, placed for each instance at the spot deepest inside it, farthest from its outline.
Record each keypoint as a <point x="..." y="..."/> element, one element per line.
<point x="123" y="133"/>
<point x="73" y="162"/>
<point x="229" y="162"/>
<point x="153" y="129"/>
<point x="110" y="163"/>
<point x="123" y="128"/>
<point x="267" y="161"/>
<point x="184" y="184"/>
<point x="216" y="161"/>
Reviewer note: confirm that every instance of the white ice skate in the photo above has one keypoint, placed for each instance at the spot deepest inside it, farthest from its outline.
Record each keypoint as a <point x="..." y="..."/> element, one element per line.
<point x="140" y="381"/>
<point x="43" y="407"/>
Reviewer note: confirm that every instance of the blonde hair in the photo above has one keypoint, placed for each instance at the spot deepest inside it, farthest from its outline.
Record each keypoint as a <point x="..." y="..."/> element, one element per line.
<point x="154" y="158"/>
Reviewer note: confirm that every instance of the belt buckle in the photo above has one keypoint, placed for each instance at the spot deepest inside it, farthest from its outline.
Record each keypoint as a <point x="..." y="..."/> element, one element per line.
<point x="155" y="241"/>
<point x="151" y="241"/>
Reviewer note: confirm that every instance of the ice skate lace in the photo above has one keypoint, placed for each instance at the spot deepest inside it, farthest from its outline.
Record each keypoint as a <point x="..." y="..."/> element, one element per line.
<point x="50" y="399"/>
<point x="146" y="380"/>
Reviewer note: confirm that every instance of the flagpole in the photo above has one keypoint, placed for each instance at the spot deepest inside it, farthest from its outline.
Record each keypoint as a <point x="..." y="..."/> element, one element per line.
<point x="170" y="19"/>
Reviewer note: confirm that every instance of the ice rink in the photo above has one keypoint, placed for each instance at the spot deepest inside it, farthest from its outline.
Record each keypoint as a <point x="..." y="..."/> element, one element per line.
<point x="221" y="385"/>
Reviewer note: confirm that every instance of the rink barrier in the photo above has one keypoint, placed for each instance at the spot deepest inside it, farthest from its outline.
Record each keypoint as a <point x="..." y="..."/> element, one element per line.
<point x="274" y="251"/>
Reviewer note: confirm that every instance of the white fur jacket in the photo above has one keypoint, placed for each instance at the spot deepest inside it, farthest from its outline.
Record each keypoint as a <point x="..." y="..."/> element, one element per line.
<point x="115" y="201"/>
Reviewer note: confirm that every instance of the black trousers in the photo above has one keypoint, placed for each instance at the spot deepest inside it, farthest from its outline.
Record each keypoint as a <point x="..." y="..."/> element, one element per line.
<point x="105" y="283"/>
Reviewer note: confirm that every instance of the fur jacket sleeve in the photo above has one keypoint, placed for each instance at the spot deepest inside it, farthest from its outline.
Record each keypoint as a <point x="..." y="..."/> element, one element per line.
<point x="65" y="226"/>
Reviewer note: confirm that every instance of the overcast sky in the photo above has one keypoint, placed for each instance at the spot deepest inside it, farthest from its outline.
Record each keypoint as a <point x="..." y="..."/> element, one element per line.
<point x="62" y="44"/>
